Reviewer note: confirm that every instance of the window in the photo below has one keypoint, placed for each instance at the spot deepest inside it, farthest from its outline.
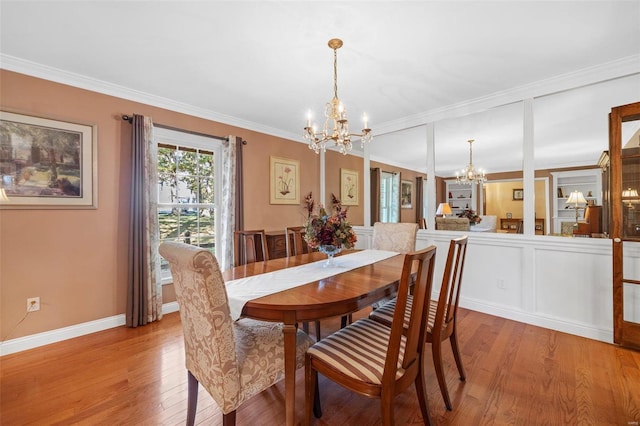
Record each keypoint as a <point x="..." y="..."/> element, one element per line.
<point x="189" y="185"/>
<point x="389" y="197"/>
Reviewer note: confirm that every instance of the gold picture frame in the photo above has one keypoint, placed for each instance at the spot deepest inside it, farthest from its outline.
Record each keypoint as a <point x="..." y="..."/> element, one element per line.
<point x="349" y="187"/>
<point x="406" y="193"/>
<point x="48" y="163"/>
<point x="284" y="181"/>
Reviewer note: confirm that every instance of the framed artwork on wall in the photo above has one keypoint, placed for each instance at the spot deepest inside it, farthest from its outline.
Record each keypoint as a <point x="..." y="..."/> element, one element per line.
<point x="349" y="193"/>
<point x="47" y="163"/>
<point x="518" y="194"/>
<point x="284" y="181"/>
<point x="406" y="192"/>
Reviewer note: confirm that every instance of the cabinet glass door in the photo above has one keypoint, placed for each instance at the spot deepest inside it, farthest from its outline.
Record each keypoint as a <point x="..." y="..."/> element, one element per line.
<point x="624" y="147"/>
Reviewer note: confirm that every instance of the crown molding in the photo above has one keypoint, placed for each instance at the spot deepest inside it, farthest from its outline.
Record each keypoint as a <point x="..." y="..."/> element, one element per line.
<point x="33" y="69"/>
<point x="622" y="67"/>
<point x="610" y="70"/>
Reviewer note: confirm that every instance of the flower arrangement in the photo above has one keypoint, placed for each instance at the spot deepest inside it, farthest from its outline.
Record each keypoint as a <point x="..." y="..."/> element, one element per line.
<point x="323" y="229"/>
<point x="471" y="215"/>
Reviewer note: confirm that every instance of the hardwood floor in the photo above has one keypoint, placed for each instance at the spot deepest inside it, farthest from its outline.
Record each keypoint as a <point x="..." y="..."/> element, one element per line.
<point x="516" y="374"/>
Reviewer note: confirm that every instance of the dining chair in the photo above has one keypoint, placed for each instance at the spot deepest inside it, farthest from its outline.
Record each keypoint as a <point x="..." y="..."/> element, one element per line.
<point x="400" y="237"/>
<point x="422" y="223"/>
<point x="249" y="247"/>
<point x="441" y="323"/>
<point x="375" y="360"/>
<point x="296" y="246"/>
<point x="233" y="360"/>
<point x="294" y="242"/>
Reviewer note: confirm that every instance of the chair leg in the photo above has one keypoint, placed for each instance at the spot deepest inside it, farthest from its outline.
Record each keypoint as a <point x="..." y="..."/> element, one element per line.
<point x="436" y="349"/>
<point x="229" y="419"/>
<point x="318" y="336"/>
<point x="310" y="384"/>
<point x="386" y="404"/>
<point x="456" y="354"/>
<point x="344" y="321"/>
<point x="192" y="398"/>
<point x="317" y="408"/>
<point x="305" y="327"/>
<point x="422" y="394"/>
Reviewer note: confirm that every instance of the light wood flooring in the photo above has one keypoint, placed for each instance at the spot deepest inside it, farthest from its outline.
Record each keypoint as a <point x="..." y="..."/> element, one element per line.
<point x="517" y="374"/>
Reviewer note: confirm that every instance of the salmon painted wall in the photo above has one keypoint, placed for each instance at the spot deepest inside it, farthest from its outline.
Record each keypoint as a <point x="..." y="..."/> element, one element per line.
<point x="76" y="260"/>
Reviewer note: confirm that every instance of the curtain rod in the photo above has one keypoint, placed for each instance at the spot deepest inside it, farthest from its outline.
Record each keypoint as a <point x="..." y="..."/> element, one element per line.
<point x="129" y="118"/>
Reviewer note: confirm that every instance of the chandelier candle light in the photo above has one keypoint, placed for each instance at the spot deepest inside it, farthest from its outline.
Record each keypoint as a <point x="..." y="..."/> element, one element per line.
<point x="469" y="174"/>
<point x="336" y="125"/>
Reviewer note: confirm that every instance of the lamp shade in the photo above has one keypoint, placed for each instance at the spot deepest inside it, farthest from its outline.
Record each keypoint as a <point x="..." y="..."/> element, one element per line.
<point x="576" y="198"/>
<point x="443" y="209"/>
<point x="629" y="193"/>
<point x="3" y="196"/>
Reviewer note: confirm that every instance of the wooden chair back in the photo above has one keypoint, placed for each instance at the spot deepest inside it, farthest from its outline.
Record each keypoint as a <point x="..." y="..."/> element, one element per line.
<point x="249" y="247"/>
<point x="447" y="306"/>
<point x="295" y="243"/>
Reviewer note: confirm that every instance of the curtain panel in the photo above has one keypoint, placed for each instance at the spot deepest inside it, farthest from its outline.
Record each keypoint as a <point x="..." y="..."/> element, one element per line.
<point x="144" y="290"/>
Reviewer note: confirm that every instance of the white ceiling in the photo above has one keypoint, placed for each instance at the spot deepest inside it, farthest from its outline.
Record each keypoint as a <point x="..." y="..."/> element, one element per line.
<point x="263" y="65"/>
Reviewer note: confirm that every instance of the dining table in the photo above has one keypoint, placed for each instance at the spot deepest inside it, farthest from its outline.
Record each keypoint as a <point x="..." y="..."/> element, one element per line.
<point x="343" y="288"/>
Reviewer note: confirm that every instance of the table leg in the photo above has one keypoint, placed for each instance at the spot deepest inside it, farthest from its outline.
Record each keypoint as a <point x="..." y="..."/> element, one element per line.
<point x="290" y="331"/>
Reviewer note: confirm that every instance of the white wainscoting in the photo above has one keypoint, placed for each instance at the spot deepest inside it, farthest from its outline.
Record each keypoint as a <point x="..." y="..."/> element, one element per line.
<point x="560" y="283"/>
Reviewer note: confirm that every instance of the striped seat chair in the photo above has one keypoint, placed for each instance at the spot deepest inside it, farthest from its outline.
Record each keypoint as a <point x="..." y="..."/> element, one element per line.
<point x="233" y="360"/>
<point x="376" y="360"/>
<point x="441" y="323"/>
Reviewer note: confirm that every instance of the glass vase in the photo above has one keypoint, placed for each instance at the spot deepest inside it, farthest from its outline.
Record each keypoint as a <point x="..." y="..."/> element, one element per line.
<point x="330" y="251"/>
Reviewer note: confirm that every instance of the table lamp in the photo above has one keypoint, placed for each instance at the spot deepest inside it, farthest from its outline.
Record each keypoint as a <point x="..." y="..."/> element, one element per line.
<point x="630" y="196"/>
<point x="443" y="209"/>
<point x="576" y="198"/>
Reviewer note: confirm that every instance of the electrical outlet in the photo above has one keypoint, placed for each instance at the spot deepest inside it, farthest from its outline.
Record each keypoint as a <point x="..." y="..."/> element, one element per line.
<point x="33" y="304"/>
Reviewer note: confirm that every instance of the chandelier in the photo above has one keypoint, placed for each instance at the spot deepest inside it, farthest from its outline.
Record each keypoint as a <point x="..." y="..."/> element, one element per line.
<point x="470" y="174"/>
<point x="336" y="125"/>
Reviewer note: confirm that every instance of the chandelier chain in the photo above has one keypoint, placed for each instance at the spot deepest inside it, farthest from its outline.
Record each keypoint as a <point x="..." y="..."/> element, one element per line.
<point x="335" y="113"/>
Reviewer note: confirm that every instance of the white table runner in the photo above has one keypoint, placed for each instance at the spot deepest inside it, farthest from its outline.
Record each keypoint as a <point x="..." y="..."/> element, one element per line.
<point x="242" y="290"/>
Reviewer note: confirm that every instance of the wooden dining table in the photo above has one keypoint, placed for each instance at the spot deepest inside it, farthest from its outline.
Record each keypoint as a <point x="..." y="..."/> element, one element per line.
<point x="343" y="293"/>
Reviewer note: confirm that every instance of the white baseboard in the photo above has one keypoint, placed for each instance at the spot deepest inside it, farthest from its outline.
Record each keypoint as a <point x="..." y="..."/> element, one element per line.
<point x="53" y="336"/>
<point x="40" y="339"/>
<point x="539" y="320"/>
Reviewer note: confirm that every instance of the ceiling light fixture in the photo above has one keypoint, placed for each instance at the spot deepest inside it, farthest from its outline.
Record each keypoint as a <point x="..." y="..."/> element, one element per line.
<point x="336" y="125"/>
<point x="469" y="173"/>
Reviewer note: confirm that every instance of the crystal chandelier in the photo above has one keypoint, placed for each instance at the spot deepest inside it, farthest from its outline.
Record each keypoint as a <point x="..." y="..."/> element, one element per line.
<point x="336" y="125"/>
<point x="470" y="174"/>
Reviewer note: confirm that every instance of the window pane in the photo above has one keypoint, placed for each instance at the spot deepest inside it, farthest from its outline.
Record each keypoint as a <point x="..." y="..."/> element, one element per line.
<point x="187" y="189"/>
<point x="187" y="163"/>
<point x="189" y="226"/>
<point x="206" y="189"/>
<point x="168" y="220"/>
<point x="205" y="164"/>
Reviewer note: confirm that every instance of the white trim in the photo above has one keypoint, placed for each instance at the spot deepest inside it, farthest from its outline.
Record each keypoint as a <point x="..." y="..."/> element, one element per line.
<point x="539" y="320"/>
<point x="609" y="70"/>
<point x="58" y="335"/>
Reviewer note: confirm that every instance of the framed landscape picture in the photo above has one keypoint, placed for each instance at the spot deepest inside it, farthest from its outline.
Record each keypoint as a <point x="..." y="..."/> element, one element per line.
<point x="284" y="181"/>
<point x="47" y="163"/>
<point x="349" y="187"/>
<point x="406" y="192"/>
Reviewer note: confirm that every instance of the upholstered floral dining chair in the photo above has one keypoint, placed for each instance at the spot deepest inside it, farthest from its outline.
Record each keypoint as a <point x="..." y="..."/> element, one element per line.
<point x="233" y="360"/>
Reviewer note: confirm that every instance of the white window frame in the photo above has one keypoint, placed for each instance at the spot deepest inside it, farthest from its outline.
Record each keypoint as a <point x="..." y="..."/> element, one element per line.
<point x="189" y="140"/>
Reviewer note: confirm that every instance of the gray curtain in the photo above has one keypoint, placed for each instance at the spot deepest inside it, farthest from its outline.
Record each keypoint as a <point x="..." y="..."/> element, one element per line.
<point x="144" y="290"/>
<point x="228" y="211"/>
<point x="375" y="195"/>
<point x="419" y="198"/>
